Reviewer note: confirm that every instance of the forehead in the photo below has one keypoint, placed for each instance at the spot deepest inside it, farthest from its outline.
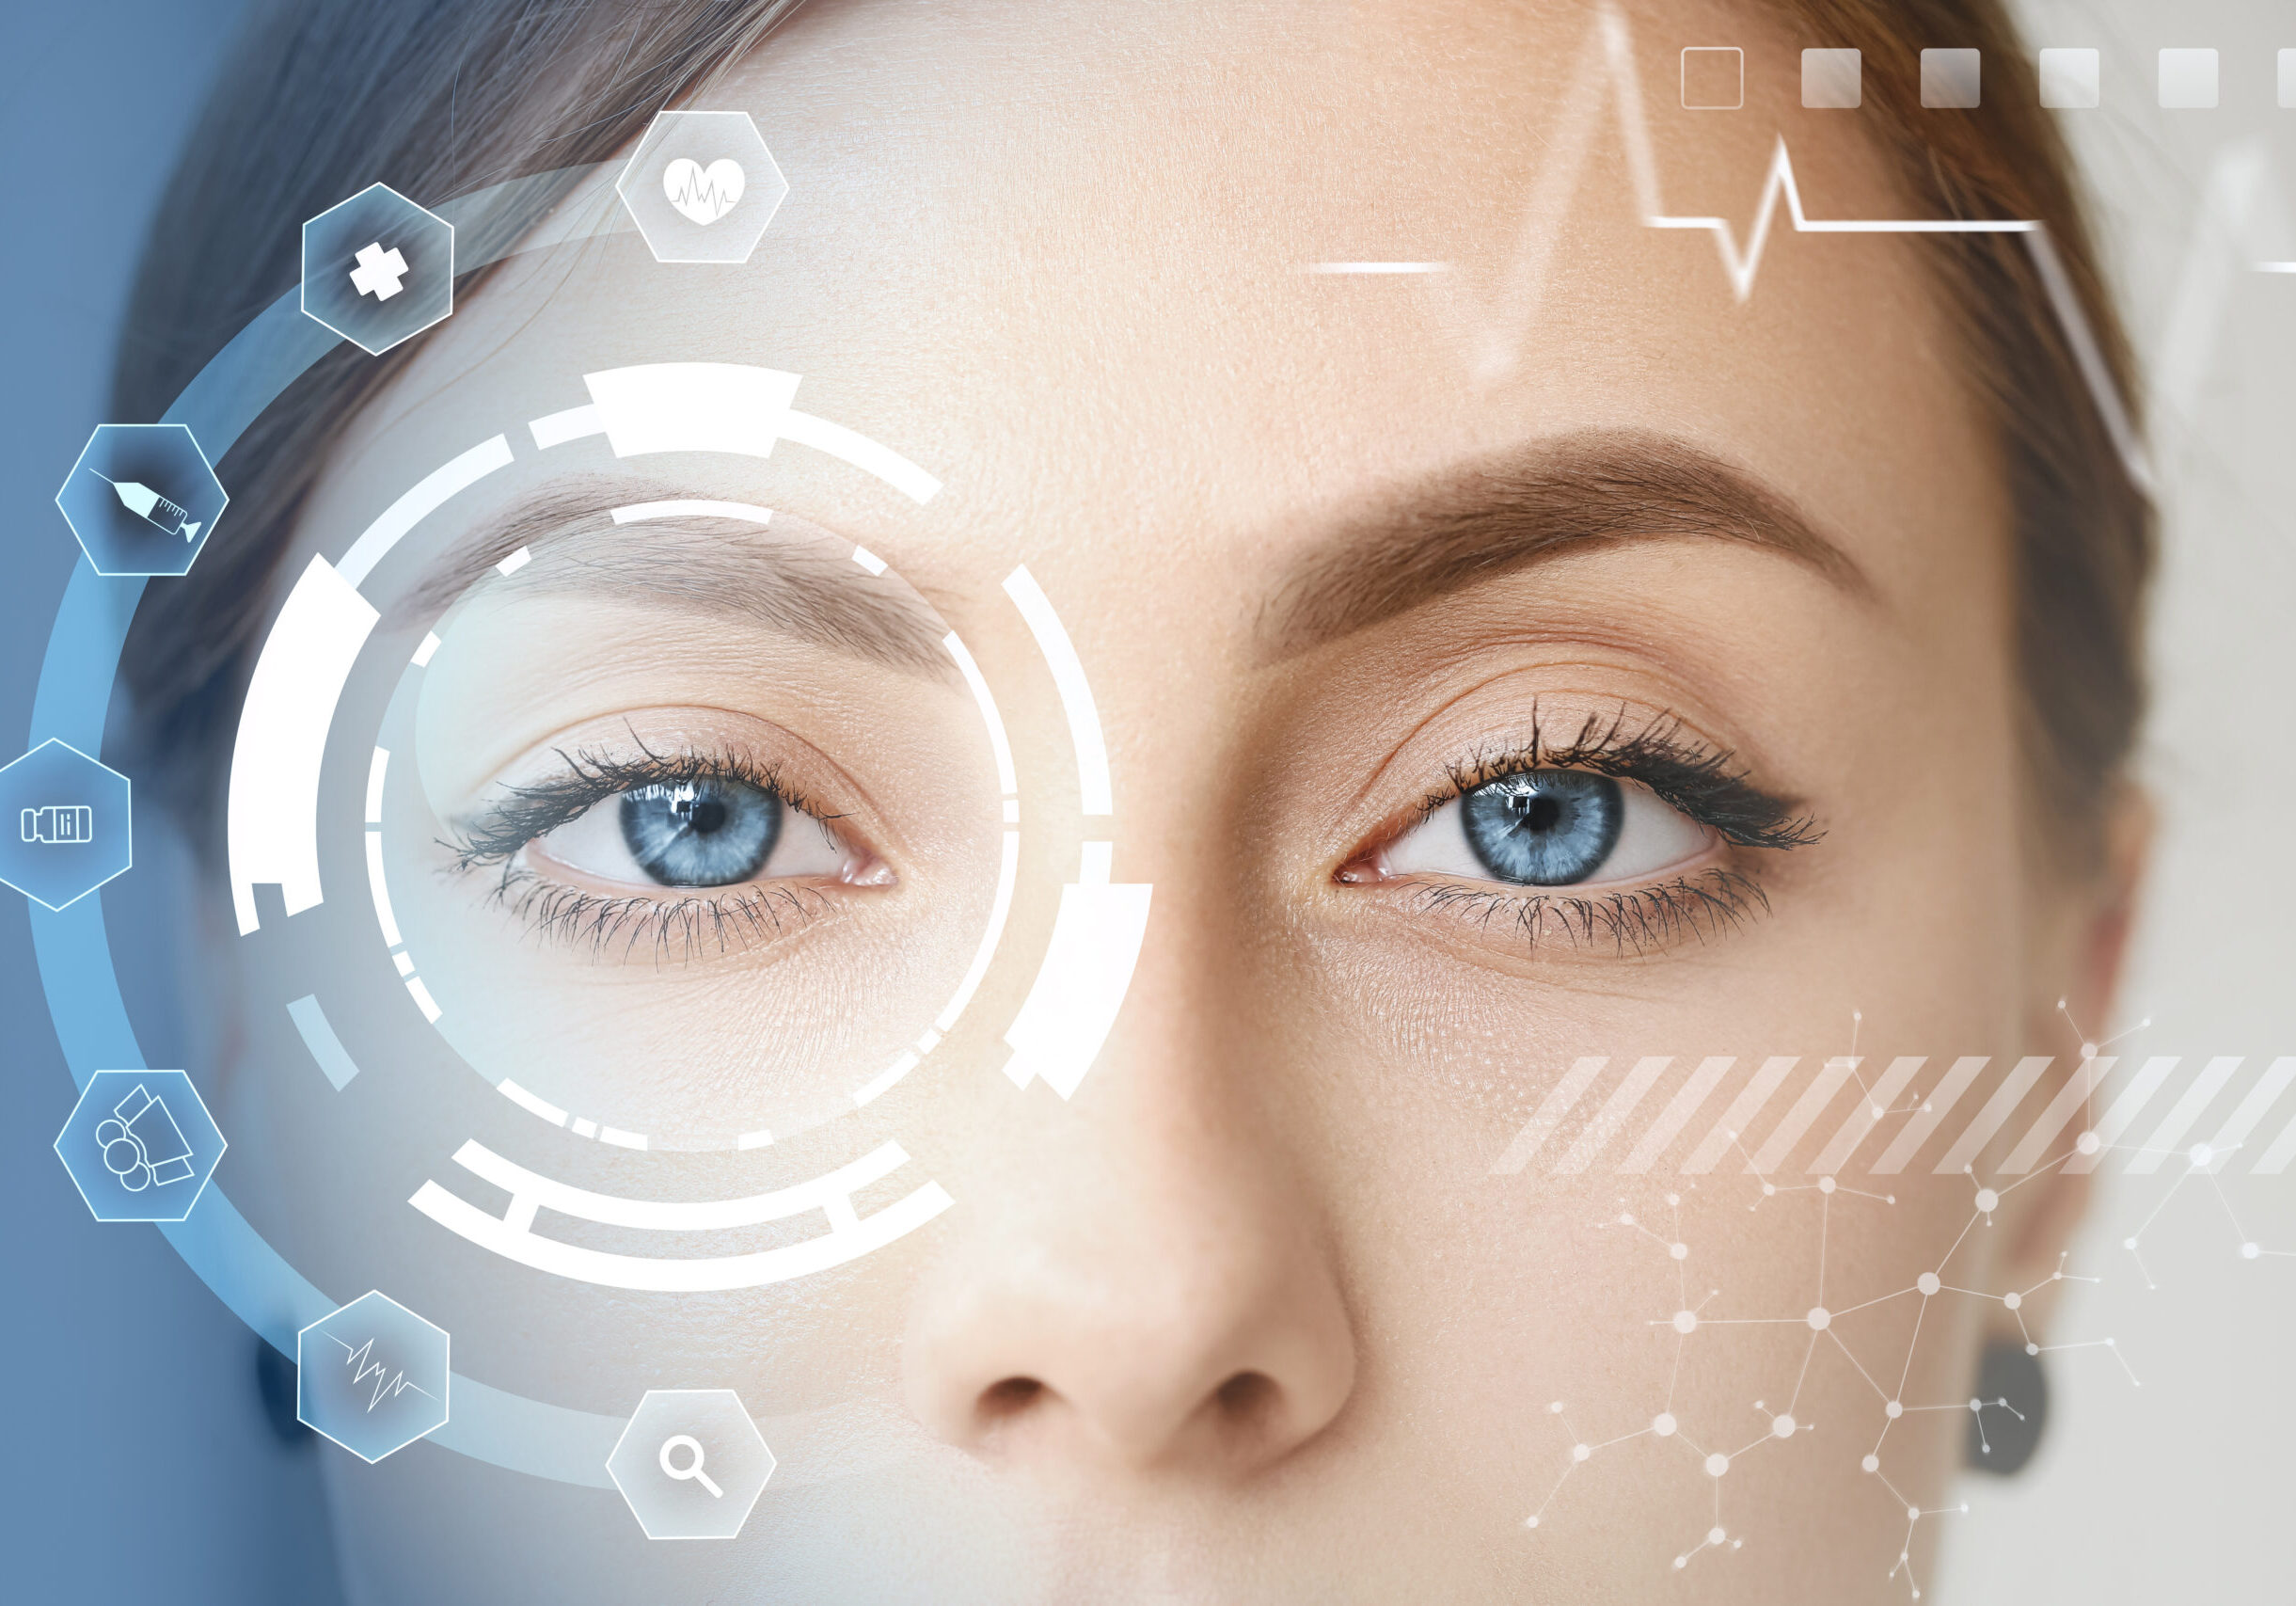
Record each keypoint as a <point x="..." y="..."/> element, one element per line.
<point x="1065" y="258"/>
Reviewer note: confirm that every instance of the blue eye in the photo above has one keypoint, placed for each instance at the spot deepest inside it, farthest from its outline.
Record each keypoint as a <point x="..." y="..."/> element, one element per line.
<point x="1550" y="828"/>
<point x="1544" y="827"/>
<point x="700" y="833"/>
<point x="697" y="831"/>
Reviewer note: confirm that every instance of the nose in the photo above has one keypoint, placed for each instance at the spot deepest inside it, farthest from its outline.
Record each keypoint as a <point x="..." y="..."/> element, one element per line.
<point x="1157" y="1296"/>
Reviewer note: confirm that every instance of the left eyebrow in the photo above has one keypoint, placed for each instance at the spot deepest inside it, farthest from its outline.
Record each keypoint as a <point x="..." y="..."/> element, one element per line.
<point x="1474" y="523"/>
<point x="733" y="569"/>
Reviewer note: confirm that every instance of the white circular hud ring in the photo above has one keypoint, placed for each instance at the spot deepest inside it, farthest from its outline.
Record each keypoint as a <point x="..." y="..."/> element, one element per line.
<point x="272" y="837"/>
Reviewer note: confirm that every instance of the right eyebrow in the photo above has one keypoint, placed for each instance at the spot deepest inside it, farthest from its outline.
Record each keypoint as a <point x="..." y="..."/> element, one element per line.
<point x="1475" y="521"/>
<point x="694" y="562"/>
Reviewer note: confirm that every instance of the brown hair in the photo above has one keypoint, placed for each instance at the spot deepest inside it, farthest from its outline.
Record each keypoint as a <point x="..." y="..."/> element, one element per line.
<point x="2084" y="530"/>
<point x="442" y="98"/>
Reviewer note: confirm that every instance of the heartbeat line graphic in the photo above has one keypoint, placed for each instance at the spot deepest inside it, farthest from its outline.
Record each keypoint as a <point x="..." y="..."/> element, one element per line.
<point x="1604" y="73"/>
<point x="364" y="1368"/>
<point x="1742" y="265"/>
<point x="699" y="194"/>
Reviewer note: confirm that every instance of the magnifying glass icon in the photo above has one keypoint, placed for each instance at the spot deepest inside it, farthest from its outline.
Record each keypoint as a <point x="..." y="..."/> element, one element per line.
<point x="693" y="1468"/>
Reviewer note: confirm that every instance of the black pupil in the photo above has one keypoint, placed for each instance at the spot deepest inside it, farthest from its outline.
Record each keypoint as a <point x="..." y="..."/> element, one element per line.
<point x="1544" y="827"/>
<point x="707" y="832"/>
<point x="1540" y="812"/>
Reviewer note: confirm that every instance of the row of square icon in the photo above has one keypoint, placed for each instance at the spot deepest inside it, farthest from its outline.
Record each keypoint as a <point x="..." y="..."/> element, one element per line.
<point x="1714" y="79"/>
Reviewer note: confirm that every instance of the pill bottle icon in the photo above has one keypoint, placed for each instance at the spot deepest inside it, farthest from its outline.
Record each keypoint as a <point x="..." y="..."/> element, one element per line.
<point x="59" y="823"/>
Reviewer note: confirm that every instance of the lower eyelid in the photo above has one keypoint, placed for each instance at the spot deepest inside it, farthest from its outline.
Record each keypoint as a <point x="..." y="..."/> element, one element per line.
<point x="857" y="868"/>
<point x="732" y="920"/>
<point x="570" y="904"/>
<point x="1631" y="919"/>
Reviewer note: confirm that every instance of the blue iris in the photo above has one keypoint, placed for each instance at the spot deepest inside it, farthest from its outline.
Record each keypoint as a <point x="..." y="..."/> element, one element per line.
<point x="701" y="833"/>
<point x="1544" y="827"/>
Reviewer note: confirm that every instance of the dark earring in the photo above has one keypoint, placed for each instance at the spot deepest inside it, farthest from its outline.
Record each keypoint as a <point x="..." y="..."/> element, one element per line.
<point x="274" y="1385"/>
<point x="2009" y="1409"/>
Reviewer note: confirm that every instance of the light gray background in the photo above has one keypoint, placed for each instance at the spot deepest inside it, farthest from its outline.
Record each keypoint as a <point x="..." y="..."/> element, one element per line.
<point x="2180" y="1490"/>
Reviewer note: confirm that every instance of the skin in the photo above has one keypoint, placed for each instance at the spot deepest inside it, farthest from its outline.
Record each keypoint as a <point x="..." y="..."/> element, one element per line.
<point x="1249" y="1317"/>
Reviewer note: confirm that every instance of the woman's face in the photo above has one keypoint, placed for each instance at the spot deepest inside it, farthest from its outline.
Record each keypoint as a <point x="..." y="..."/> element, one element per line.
<point x="1546" y="660"/>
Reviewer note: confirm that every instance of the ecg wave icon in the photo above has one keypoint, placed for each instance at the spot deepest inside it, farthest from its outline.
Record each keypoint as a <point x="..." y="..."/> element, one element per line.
<point x="363" y="1366"/>
<point x="344" y="1403"/>
<point x="1604" y="77"/>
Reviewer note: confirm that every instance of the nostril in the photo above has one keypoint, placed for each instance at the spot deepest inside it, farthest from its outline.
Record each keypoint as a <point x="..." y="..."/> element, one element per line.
<point x="1009" y="1398"/>
<point x="1245" y="1396"/>
<point x="1248" y="1415"/>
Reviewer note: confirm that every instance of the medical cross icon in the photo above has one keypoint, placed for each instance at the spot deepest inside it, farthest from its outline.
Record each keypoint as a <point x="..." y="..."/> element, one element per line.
<point x="356" y="277"/>
<point x="379" y="272"/>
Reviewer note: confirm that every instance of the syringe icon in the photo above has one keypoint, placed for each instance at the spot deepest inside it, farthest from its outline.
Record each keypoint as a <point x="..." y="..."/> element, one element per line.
<point x="152" y="507"/>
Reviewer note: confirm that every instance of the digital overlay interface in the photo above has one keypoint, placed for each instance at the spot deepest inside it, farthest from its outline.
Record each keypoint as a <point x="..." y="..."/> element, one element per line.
<point x="917" y="861"/>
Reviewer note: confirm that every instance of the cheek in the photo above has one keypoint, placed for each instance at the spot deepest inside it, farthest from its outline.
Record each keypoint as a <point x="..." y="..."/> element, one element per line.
<point x="1929" y="917"/>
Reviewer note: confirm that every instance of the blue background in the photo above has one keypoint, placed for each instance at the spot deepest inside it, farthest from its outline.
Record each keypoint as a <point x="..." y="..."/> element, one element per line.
<point x="139" y="1462"/>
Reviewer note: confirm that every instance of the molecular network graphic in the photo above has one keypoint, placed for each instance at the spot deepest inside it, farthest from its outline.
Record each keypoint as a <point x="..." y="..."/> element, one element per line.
<point x="1709" y="1452"/>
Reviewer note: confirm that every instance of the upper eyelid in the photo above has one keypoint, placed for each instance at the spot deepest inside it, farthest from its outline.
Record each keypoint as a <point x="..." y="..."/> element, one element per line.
<point x="507" y="830"/>
<point x="1655" y="750"/>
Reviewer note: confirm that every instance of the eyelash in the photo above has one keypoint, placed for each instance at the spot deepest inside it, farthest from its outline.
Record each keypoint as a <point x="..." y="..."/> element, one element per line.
<point x="1635" y="920"/>
<point x="1704" y="782"/>
<point x="680" y="927"/>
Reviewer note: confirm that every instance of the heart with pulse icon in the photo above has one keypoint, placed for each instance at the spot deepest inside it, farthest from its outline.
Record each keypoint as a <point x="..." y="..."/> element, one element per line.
<point x="703" y="195"/>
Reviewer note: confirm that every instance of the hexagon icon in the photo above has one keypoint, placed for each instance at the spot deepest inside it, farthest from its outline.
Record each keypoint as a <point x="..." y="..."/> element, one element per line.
<point x="65" y="826"/>
<point x="142" y="498"/>
<point x="377" y="268"/>
<point x="371" y="1376"/>
<point x="690" y="1463"/>
<point x="140" y="1145"/>
<point x="701" y="186"/>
